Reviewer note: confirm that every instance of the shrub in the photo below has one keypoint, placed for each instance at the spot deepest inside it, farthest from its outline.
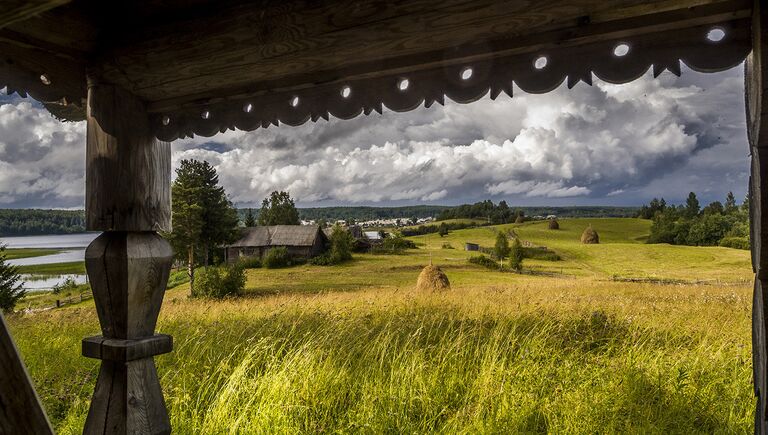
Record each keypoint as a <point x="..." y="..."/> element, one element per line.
<point x="69" y="284"/>
<point x="322" y="260"/>
<point x="446" y="246"/>
<point x="540" y="253"/>
<point x="735" y="242"/>
<point x="276" y="258"/>
<point x="218" y="282"/>
<point x="250" y="262"/>
<point x="394" y="245"/>
<point x="482" y="260"/>
<point x="342" y="244"/>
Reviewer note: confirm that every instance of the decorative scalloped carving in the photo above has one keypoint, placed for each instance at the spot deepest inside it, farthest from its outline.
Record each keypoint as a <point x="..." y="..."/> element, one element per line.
<point x="661" y="51"/>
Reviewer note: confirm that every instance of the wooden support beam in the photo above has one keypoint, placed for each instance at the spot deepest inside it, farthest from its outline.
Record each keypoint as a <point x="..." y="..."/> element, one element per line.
<point x="20" y="408"/>
<point x="128" y="171"/>
<point x="756" y="86"/>
<point x="128" y="175"/>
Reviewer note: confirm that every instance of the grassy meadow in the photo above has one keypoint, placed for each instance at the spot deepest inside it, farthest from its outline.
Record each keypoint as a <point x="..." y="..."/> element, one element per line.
<point x="568" y="347"/>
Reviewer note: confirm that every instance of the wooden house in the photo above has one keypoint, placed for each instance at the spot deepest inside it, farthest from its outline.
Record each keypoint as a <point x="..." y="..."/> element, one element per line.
<point x="301" y="241"/>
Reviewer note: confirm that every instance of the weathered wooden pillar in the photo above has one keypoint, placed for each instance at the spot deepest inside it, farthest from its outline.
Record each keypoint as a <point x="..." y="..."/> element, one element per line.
<point x="128" y="175"/>
<point x="757" y="131"/>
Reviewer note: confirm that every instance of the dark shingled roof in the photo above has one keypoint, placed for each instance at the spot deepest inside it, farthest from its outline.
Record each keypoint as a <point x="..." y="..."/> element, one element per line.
<point x="278" y="235"/>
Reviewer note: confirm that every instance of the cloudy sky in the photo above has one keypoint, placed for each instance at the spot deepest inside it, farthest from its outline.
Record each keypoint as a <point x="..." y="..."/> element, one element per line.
<point x="603" y="145"/>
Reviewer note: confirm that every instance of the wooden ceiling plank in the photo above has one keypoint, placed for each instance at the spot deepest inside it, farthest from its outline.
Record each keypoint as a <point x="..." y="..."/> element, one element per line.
<point x="478" y="52"/>
<point x="19" y="10"/>
<point x="248" y="48"/>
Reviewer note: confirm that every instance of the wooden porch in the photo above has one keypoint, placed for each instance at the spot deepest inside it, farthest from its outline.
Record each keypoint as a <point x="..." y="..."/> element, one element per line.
<point x="142" y="74"/>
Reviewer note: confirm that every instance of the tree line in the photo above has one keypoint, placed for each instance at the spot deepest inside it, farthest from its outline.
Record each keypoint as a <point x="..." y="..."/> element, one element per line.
<point x="31" y="222"/>
<point x="502" y="213"/>
<point x="716" y="224"/>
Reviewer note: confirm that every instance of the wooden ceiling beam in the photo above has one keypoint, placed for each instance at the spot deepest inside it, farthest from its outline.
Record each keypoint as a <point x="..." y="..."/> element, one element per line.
<point x="14" y="11"/>
<point x="474" y="52"/>
<point x="250" y="45"/>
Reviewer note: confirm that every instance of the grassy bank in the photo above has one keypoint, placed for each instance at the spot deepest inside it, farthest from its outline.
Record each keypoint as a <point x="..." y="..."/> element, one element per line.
<point x="14" y="253"/>
<point x="353" y="348"/>
<point x="76" y="267"/>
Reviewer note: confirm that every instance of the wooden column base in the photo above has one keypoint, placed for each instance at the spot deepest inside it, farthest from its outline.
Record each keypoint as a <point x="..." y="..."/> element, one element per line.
<point x="128" y="272"/>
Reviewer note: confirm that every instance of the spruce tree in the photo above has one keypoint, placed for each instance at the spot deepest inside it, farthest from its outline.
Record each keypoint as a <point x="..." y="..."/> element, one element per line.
<point x="11" y="289"/>
<point x="250" y="220"/>
<point x="730" y="204"/>
<point x="203" y="217"/>
<point x="692" y="206"/>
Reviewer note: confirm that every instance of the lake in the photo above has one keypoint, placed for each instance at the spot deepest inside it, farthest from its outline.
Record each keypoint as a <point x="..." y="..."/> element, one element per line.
<point x="73" y="249"/>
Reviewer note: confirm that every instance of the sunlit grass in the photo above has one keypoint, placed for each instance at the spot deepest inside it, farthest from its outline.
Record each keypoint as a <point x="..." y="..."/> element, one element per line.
<point x="354" y="348"/>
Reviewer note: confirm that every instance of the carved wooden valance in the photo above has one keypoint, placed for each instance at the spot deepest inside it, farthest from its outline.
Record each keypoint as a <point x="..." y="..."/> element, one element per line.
<point x="708" y="48"/>
<point x="257" y="65"/>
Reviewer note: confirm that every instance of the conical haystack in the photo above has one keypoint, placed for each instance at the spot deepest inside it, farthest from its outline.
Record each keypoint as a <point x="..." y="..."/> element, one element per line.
<point x="520" y="219"/>
<point x="590" y="237"/>
<point x="432" y="279"/>
<point x="553" y="224"/>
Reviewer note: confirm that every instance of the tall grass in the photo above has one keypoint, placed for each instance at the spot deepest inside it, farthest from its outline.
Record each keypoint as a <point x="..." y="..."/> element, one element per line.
<point x="564" y="356"/>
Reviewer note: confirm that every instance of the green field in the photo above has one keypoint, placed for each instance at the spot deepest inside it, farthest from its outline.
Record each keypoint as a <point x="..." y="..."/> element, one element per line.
<point x="353" y="348"/>
<point x="54" y="269"/>
<point x="14" y="253"/>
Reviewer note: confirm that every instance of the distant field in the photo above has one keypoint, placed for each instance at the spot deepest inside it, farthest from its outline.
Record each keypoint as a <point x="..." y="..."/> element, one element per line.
<point x="353" y="348"/>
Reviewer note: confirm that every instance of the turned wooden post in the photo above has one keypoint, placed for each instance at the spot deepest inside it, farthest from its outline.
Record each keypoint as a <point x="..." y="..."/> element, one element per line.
<point x="128" y="174"/>
<point x="757" y="131"/>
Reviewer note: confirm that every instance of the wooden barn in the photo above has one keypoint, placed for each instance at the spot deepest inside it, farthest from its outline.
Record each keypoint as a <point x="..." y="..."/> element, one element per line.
<point x="302" y="241"/>
<point x="144" y="73"/>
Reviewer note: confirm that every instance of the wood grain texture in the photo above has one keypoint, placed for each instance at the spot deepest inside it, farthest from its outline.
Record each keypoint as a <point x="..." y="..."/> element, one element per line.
<point x="128" y="272"/>
<point x="755" y="92"/>
<point x="248" y="45"/>
<point x="661" y="51"/>
<point x="20" y="10"/>
<point x="20" y="408"/>
<point x="128" y="171"/>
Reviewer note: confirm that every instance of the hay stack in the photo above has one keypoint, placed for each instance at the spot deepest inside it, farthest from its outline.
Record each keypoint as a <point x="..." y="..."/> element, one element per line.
<point x="432" y="279"/>
<point x="590" y="237"/>
<point x="520" y="219"/>
<point x="553" y="224"/>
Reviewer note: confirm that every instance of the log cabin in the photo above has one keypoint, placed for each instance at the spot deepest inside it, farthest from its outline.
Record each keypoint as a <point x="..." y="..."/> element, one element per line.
<point x="301" y="241"/>
<point x="144" y="73"/>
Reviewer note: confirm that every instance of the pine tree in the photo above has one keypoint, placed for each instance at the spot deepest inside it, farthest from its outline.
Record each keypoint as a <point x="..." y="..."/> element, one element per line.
<point x="250" y="220"/>
<point x="730" y="203"/>
<point x="278" y="209"/>
<point x="203" y="216"/>
<point x="692" y="205"/>
<point x="11" y="289"/>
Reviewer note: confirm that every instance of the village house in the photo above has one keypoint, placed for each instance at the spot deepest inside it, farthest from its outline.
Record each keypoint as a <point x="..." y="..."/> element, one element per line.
<point x="302" y="241"/>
